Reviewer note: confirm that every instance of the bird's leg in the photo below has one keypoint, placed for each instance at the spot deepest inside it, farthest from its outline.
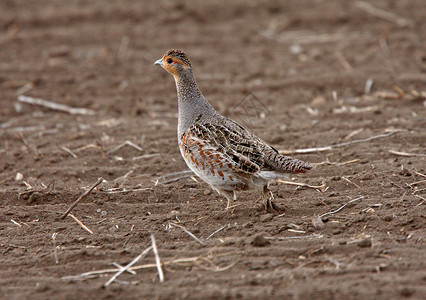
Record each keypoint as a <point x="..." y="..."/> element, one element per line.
<point x="230" y="196"/>
<point x="270" y="207"/>
<point x="230" y="203"/>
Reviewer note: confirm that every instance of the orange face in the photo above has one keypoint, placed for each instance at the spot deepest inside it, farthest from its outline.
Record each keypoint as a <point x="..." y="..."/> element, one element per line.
<point x="171" y="64"/>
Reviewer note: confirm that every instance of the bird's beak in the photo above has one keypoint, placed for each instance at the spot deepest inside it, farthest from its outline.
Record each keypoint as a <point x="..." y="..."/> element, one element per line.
<point x="159" y="62"/>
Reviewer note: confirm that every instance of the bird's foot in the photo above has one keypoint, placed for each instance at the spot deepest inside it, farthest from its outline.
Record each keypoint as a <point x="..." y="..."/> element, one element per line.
<point x="230" y="206"/>
<point x="270" y="206"/>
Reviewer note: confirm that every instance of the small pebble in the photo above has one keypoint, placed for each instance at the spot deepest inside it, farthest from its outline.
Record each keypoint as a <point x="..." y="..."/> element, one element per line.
<point x="318" y="224"/>
<point x="318" y="101"/>
<point x="370" y="210"/>
<point x="19" y="177"/>
<point x="296" y="49"/>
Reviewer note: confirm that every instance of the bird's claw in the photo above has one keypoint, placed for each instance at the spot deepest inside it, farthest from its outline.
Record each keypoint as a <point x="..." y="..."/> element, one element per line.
<point x="270" y="206"/>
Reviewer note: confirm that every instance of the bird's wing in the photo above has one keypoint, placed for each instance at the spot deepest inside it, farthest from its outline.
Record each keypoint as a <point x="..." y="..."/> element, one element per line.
<point x="220" y="142"/>
<point x="246" y="152"/>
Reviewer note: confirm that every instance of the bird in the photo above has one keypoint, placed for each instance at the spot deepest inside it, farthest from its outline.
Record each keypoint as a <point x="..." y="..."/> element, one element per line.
<point x="217" y="149"/>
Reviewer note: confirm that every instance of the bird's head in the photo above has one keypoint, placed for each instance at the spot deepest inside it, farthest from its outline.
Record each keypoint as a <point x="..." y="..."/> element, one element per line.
<point x="175" y="62"/>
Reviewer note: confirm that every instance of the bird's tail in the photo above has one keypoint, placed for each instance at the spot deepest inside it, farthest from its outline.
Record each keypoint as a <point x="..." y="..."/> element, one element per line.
<point x="287" y="164"/>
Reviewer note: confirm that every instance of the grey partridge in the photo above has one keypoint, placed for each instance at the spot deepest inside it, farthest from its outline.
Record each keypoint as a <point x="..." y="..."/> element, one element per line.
<point x="218" y="150"/>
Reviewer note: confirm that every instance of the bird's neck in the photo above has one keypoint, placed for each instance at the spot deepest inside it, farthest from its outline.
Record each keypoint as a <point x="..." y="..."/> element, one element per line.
<point x="191" y="103"/>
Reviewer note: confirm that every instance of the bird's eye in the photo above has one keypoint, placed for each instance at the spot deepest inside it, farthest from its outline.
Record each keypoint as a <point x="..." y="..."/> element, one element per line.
<point x="169" y="60"/>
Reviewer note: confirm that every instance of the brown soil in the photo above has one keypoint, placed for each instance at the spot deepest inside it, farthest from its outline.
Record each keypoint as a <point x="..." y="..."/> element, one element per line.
<point x="290" y="57"/>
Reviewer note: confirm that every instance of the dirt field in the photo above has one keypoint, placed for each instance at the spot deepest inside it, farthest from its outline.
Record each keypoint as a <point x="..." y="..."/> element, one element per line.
<point x="297" y="73"/>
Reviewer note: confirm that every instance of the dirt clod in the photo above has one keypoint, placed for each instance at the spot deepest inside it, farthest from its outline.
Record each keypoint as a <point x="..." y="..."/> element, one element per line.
<point x="259" y="241"/>
<point x="388" y="218"/>
<point x="405" y="172"/>
<point x="406" y="292"/>
<point x="365" y="243"/>
<point x="266" y="218"/>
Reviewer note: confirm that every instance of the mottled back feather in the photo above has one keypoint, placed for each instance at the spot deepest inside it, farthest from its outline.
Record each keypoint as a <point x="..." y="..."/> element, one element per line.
<point x="249" y="153"/>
